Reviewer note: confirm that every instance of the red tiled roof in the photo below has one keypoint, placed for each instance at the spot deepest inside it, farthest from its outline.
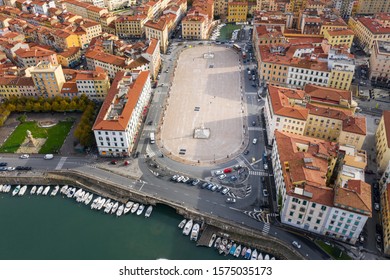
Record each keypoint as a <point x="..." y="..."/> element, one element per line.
<point x="373" y="25"/>
<point x="355" y="125"/>
<point x="355" y="194"/>
<point x="280" y="102"/>
<point x="327" y="95"/>
<point x="133" y="95"/>
<point x="386" y="120"/>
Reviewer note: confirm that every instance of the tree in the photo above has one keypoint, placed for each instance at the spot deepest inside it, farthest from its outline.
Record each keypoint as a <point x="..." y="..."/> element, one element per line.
<point x="55" y="106"/>
<point x="64" y="105"/>
<point x="20" y="108"/>
<point x="37" y="107"/>
<point x="29" y="106"/>
<point x="46" y="107"/>
<point x="72" y="105"/>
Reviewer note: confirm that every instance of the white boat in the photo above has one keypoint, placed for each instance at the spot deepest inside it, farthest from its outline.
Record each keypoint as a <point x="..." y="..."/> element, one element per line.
<point x="95" y="202"/>
<point x="1" y="188"/>
<point x="120" y="210"/>
<point x="55" y="191"/>
<point x="195" y="232"/>
<point x="88" y="200"/>
<point x="40" y="190"/>
<point x="243" y="251"/>
<point x="140" y="209"/>
<point x="22" y="190"/>
<point x="254" y="255"/>
<point x="217" y="242"/>
<point x="80" y="196"/>
<point x="260" y="256"/>
<point x="46" y="191"/>
<point x="237" y="251"/>
<point x="115" y="207"/>
<point x="129" y="204"/>
<point x="187" y="228"/>
<point x="213" y="237"/>
<point x="106" y="203"/>
<point x="85" y="197"/>
<point x="77" y="194"/>
<point x="33" y="190"/>
<point x="134" y="208"/>
<point x="71" y="192"/>
<point x="109" y="207"/>
<point x="148" y="211"/>
<point x="182" y="223"/>
<point x="16" y="190"/>
<point x="248" y="254"/>
<point x="266" y="258"/>
<point x="8" y="188"/>
<point x="273" y="258"/>
<point x="64" y="189"/>
<point x="101" y="203"/>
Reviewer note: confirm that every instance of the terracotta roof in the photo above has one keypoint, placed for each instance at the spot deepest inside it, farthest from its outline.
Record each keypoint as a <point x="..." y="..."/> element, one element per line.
<point x="327" y="95"/>
<point x="194" y="18"/>
<point x="33" y="52"/>
<point x="133" y="94"/>
<point x="373" y="25"/>
<point x="355" y="194"/>
<point x="328" y="112"/>
<point x="152" y="46"/>
<point x="69" y="88"/>
<point x="69" y="52"/>
<point x="340" y="32"/>
<point x="99" y="74"/>
<point x="355" y="125"/>
<point x="238" y="3"/>
<point x="280" y="102"/>
<point x="305" y="166"/>
<point x="156" y="24"/>
<point x="386" y="120"/>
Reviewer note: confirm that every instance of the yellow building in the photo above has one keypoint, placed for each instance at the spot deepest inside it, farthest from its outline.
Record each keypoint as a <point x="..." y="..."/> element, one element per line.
<point x="48" y="79"/>
<point x="369" y="29"/>
<point x="17" y="86"/>
<point x="372" y="6"/>
<point x="336" y="24"/>
<point x="237" y="11"/>
<point x="338" y="37"/>
<point x="382" y="136"/>
<point x="194" y="27"/>
<point x="69" y="57"/>
<point x="158" y="29"/>
<point x="130" y="26"/>
<point x="385" y="211"/>
<point x="94" y="84"/>
<point x="64" y="39"/>
<point x="340" y="78"/>
<point x="380" y="64"/>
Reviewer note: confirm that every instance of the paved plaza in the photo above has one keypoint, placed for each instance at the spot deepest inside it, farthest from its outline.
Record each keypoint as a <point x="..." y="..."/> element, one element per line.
<point x="205" y="93"/>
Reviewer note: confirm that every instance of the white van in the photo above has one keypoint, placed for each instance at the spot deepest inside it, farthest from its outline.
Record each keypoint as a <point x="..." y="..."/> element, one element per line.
<point x="48" y="156"/>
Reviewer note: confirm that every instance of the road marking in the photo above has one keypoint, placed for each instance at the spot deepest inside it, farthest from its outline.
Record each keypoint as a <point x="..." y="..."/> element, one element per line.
<point x="61" y="163"/>
<point x="258" y="173"/>
<point x="143" y="183"/>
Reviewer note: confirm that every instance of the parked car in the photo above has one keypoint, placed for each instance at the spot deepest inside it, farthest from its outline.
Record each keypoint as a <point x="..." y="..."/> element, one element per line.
<point x="254" y="140"/>
<point x="204" y="185"/>
<point x="209" y="186"/>
<point x="227" y="170"/>
<point x="246" y="152"/>
<point x="222" y="176"/>
<point x="376" y="206"/>
<point x="114" y="162"/>
<point x="230" y="200"/>
<point x="195" y="182"/>
<point x="253" y="123"/>
<point x="214" y="188"/>
<point x="218" y="172"/>
<point x="25" y="156"/>
<point x="265" y="193"/>
<point x="265" y="166"/>
<point x="225" y="190"/>
<point x="48" y="156"/>
<point x="296" y="244"/>
<point x="3" y="163"/>
<point x="174" y="177"/>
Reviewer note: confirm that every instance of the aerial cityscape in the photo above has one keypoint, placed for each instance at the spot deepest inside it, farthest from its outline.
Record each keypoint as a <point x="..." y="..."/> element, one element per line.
<point x="256" y="129"/>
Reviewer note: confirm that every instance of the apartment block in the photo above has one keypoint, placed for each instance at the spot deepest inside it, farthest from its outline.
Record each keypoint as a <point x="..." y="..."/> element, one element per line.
<point x="119" y="120"/>
<point x="237" y="11"/>
<point x="385" y="215"/>
<point x="69" y="57"/>
<point x="380" y="64"/>
<point x="130" y="26"/>
<point x="48" y="79"/>
<point x="16" y="86"/>
<point x="339" y="37"/>
<point x="372" y="6"/>
<point x="382" y="137"/>
<point x="302" y="167"/>
<point x="158" y="29"/>
<point x="27" y="58"/>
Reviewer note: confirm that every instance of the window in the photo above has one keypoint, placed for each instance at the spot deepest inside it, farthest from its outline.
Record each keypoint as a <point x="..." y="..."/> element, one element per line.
<point x="291" y="213"/>
<point x="323" y="208"/>
<point x="300" y="216"/>
<point x="318" y="221"/>
<point x="304" y="202"/>
<point x="308" y="219"/>
<point x="313" y="205"/>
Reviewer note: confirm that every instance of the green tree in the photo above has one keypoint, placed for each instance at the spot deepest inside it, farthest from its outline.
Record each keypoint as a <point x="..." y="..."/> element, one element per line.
<point x="29" y="106"/>
<point x="20" y="108"/>
<point x="46" y="107"/>
<point x="37" y="107"/>
<point x="72" y="105"/>
<point x="11" y="107"/>
<point x="55" y="106"/>
<point x="64" y="105"/>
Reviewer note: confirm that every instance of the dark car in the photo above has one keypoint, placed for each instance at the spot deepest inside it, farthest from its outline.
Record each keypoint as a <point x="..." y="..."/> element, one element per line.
<point x="114" y="162"/>
<point x="3" y="164"/>
<point x="246" y="152"/>
<point x="136" y="154"/>
<point x="3" y="168"/>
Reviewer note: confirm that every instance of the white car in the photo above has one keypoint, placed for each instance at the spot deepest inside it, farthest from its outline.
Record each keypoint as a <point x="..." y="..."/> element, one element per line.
<point x="376" y="206"/>
<point x="222" y="176"/>
<point x="25" y="156"/>
<point x="48" y="156"/>
<point x="296" y="244"/>
<point x="265" y="166"/>
<point x="230" y="200"/>
<point x="218" y="172"/>
<point x="265" y="193"/>
<point x="254" y="141"/>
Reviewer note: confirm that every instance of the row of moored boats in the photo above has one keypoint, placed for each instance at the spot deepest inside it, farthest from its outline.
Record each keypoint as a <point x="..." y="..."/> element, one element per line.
<point x="82" y="196"/>
<point x="223" y="245"/>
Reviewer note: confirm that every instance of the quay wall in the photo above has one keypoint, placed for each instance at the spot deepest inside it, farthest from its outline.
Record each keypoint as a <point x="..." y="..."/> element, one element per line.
<point x="239" y="233"/>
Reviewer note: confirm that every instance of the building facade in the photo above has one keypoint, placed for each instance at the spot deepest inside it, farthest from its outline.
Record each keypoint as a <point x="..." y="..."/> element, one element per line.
<point x="48" y="79"/>
<point x="380" y="64"/>
<point x="382" y="137"/>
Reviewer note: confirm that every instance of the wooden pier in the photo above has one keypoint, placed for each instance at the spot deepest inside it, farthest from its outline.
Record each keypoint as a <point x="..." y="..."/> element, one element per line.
<point x="207" y="233"/>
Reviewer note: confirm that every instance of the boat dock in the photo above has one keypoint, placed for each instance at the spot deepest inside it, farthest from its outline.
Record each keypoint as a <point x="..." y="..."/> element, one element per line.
<point x="206" y="235"/>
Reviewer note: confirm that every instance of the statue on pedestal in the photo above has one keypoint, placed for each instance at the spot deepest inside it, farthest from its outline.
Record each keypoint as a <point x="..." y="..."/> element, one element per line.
<point x="31" y="141"/>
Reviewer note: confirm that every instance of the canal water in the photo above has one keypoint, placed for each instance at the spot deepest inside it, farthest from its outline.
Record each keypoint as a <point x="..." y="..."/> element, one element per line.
<point x="58" y="228"/>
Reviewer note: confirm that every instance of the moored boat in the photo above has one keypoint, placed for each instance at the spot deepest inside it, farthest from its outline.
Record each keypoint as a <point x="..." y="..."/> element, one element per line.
<point x="8" y="189"/>
<point x="71" y="192"/>
<point x="217" y="242"/>
<point x="243" y="251"/>
<point x="55" y="191"/>
<point x="233" y="249"/>
<point x="221" y="249"/>
<point x="213" y="237"/>
<point x="129" y="204"/>
<point x="33" y="190"/>
<point x="80" y="196"/>
<point x="46" y="190"/>
<point x="77" y="193"/>
<point x="109" y="207"/>
<point x="101" y="203"/>
<point x="260" y="256"/>
<point x="106" y="203"/>
<point x="140" y="209"/>
<point x="95" y="202"/>
<point x="254" y="255"/>
<point x="266" y="258"/>
<point x="237" y="251"/>
<point x="148" y="211"/>
<point x="1" y="188"/>
<point x="85" y="197"/>
<point x="114" y="207"/>
<point x="273" y="258"/>
<point x="134" y="208"/>
<point x="16" y="190"/>
<point x="22" y="190"/>
<point x="182" y="223"/>
<point x="64" y="189"/>
<point x="40" y="190"/>
<point x="120" y="210"/>
<point x="187" y="228"/>
<point x="88" y="200"/>
<point x="248" y="254"/>
<point x="195" y="232"/>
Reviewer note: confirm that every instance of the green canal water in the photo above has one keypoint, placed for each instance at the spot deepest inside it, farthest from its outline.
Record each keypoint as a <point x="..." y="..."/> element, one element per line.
<point x="57" y="228"/>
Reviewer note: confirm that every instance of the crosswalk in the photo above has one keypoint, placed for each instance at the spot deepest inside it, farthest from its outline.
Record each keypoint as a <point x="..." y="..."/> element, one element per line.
<point x="266" y="228"/>
<point x="149" y="151"/>
<point x="61" y="163"/>
<point x="258" y="173"/>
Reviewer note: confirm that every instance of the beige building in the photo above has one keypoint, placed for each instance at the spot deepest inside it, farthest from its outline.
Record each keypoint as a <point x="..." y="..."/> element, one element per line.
<point x="94" y="84"/>
<point x="194" y="27"/>
<point x="158" y="29"/>
<point x="48" y="79"/>
<point x="85" y="10"/>
<point x="31" y="57"/>
<point x="385" y="214"/>
<point x="372" y="6"/>
<point x="380" y="64"/>
<point x="153" y="55"/>
<point x="369" y="29"/>
<point x="382" y="136"/>
<point x="130" y="26"/>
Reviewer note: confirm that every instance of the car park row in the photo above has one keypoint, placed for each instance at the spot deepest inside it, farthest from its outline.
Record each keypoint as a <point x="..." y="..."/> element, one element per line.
<point x="203" y="185"/>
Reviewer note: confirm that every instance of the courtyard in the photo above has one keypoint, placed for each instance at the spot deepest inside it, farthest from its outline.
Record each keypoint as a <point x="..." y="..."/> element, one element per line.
<point x="205" y="97"/>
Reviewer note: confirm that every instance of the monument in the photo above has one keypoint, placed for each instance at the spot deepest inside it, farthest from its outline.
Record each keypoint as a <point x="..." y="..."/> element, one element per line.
<point x="30" y="139"/>
<point x="202" y="132"/>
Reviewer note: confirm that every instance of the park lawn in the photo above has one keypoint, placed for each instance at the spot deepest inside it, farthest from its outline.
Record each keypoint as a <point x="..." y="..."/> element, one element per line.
<point x="334" y="251"/>
<point x="227" y="30"/>
<point x="55" y="136"/>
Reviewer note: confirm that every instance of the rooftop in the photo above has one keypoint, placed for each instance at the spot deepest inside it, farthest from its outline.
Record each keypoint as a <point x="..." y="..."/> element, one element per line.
<point x="386" y="119"/>
<point x="355" y="196"/>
